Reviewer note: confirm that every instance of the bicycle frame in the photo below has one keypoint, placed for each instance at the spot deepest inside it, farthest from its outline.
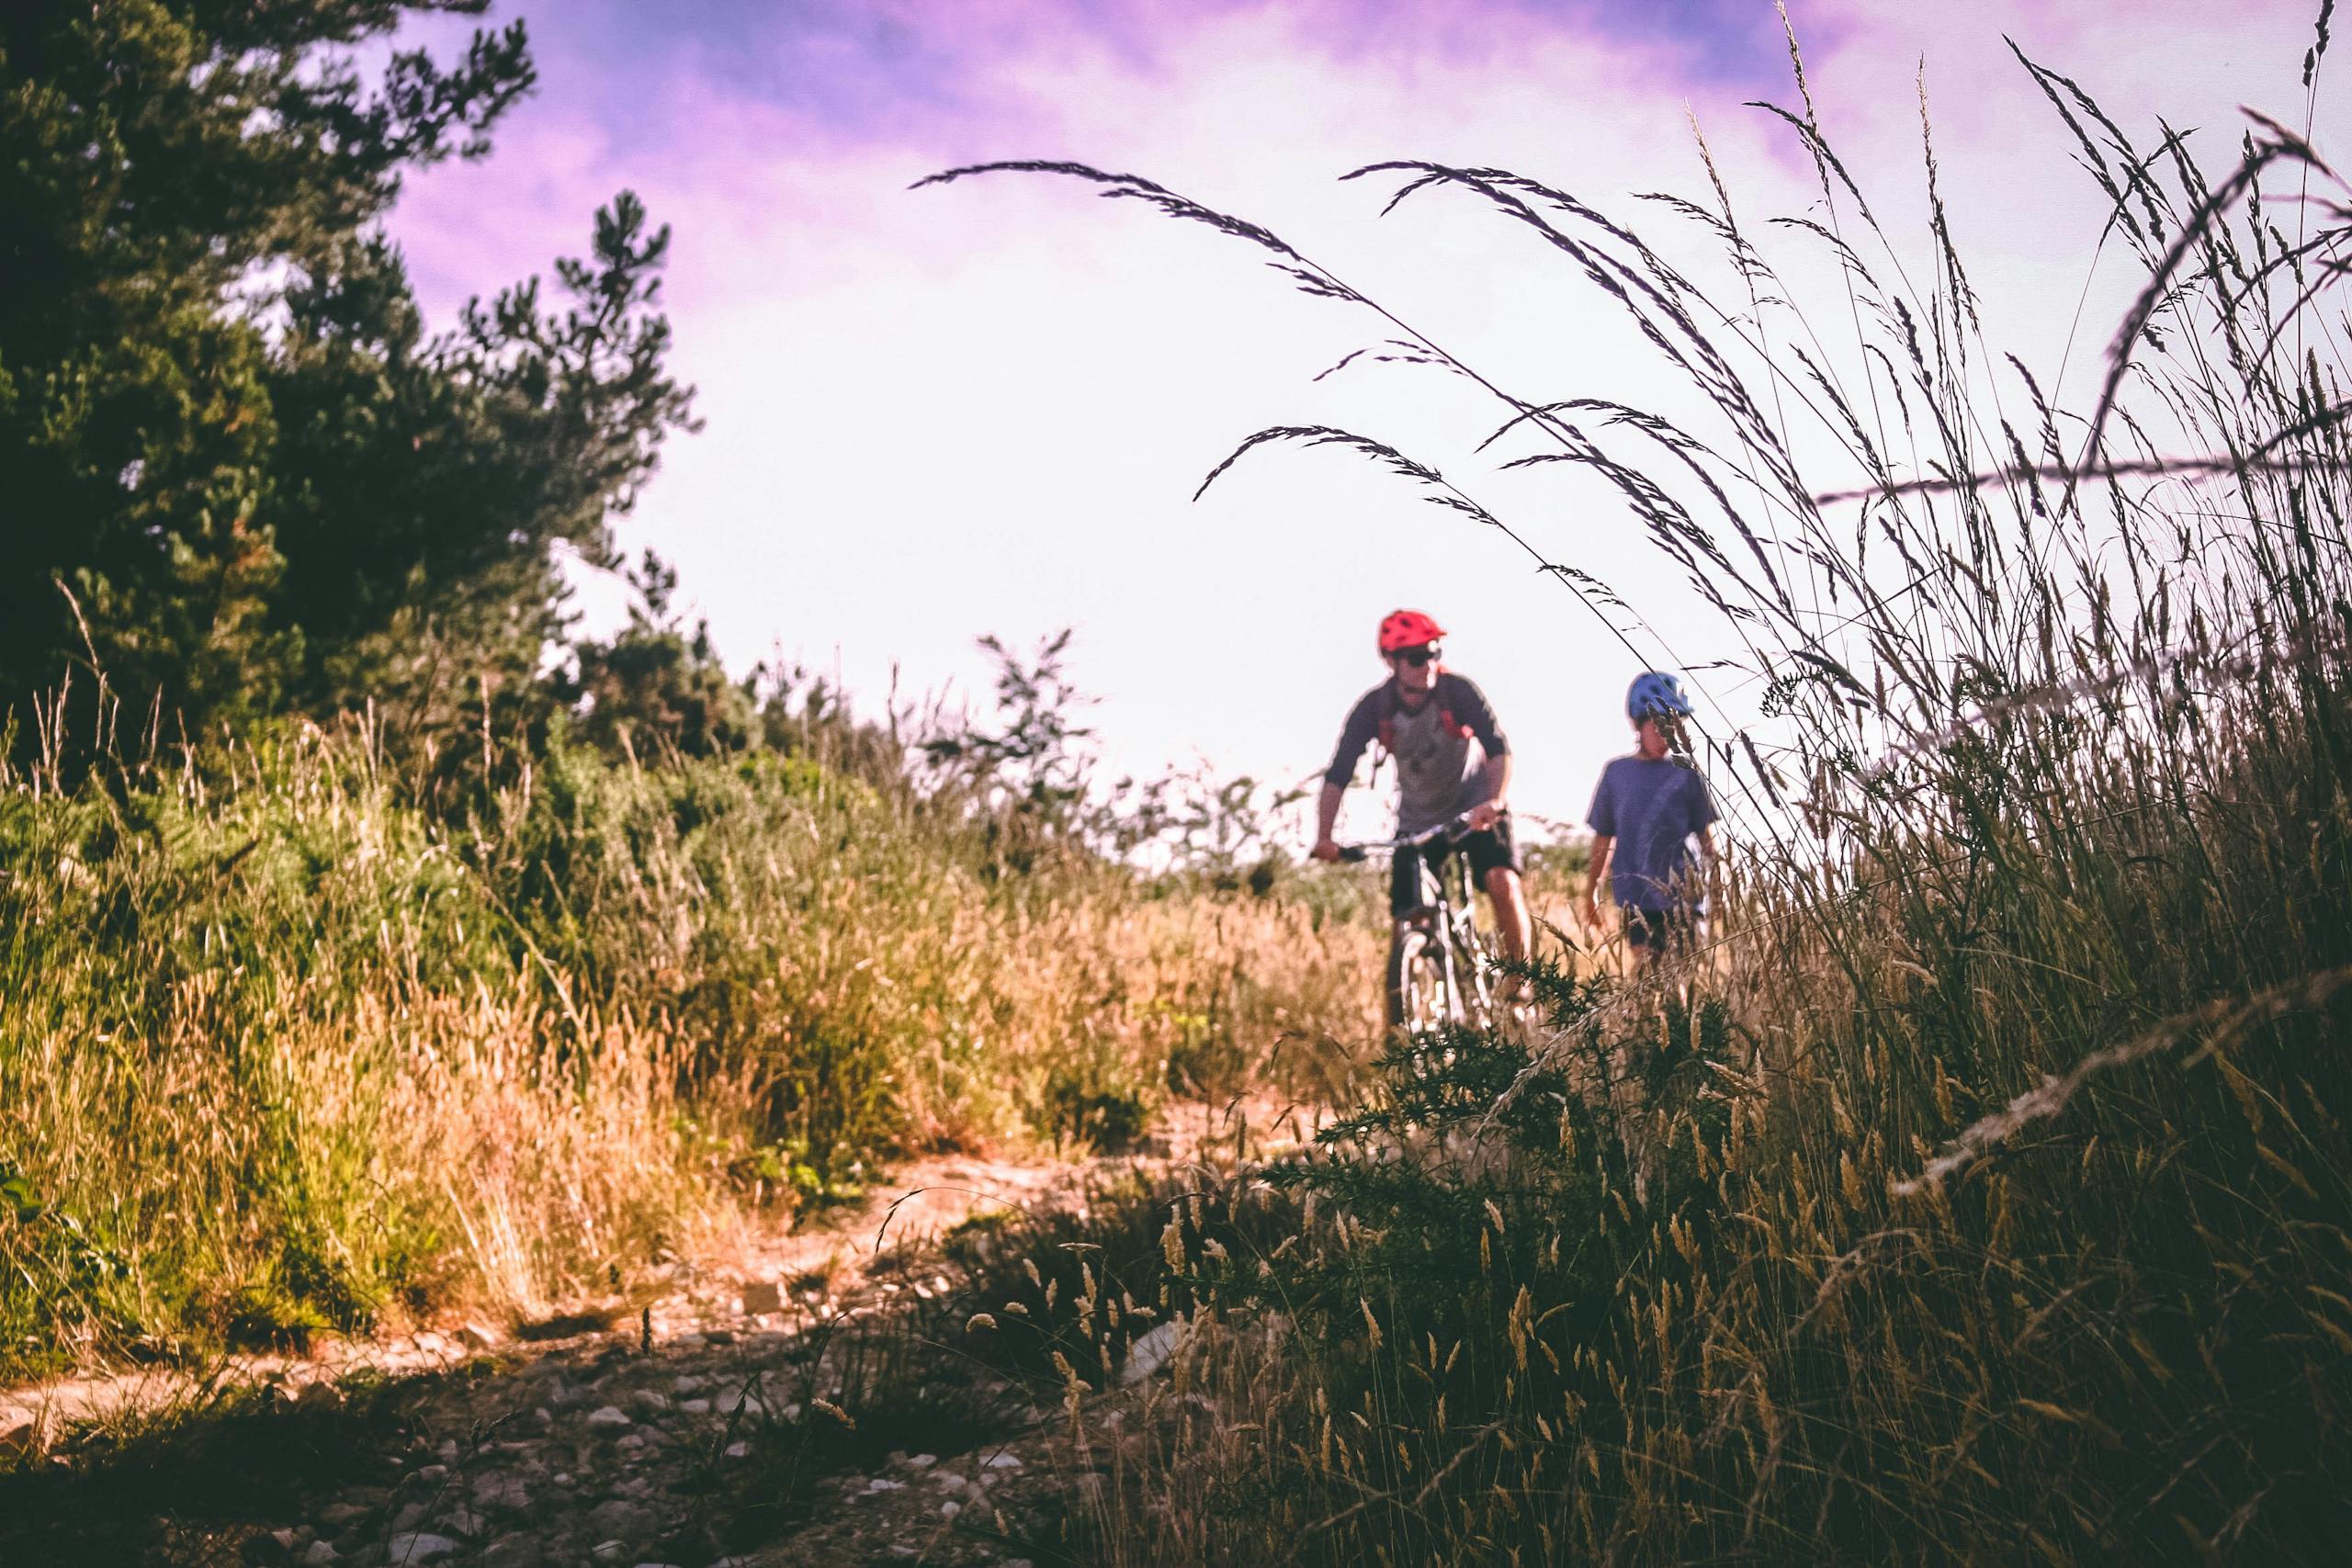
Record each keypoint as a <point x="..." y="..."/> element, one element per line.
<point x="1464" y="996"/>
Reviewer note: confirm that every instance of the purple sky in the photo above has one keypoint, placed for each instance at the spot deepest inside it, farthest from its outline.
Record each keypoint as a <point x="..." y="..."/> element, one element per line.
<point x="860" y="68"/>
<point x="984" y="408"/>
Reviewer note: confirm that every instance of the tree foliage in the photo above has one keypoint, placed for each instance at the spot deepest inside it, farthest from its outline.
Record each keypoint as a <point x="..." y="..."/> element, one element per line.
<point x="241" y="475"/>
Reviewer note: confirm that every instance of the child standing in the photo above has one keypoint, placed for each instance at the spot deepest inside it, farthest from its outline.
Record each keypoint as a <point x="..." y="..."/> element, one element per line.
<point x="1649" y="808"/>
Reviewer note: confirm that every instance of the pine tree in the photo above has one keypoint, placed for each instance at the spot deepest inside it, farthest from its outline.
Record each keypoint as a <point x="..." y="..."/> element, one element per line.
<point x="238" y="476"/>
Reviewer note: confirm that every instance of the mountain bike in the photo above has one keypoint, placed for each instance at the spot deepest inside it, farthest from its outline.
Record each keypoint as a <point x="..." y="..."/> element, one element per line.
<point x="1440" y="966"/>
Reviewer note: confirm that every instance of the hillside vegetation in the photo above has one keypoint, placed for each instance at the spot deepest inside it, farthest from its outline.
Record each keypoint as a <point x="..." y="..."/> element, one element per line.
<point x="282" y="1051"/>
<point x="1983" y="1193"/>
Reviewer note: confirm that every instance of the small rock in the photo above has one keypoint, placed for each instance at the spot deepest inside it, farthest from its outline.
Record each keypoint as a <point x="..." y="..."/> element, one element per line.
<point x="1004" y="1461"/>
<point x="620" y="1518"/>
<point x="694" y="1406"/>
<point x="512" y="1551"/>
<point x="1150" y="1351"/>
<point x="412" y="1548"/>
<point x="19" y="1434"/>
<point x="921" y="1462"/>
<point x="503" y="1491"/>
<point x="607" y="1418"/>
<point x="268" y="1548"/>
<point x="321" y="1555"/>
<point x="738" y="1450"/>
<point x="543" y="1416"/>
<point x="650" y="1403"/>
<point x="480" y="1336"/>
<point x="464" y="1522"/>
<point x="609" y="1550"/>
<point x="950" y="1480"/>
<point x="411" y="1516"/>
<point x="762" y="1295"/>
<point x="950" y="1508"/>
<point x="432" y="1474"/>
<point x="319" y="1396"/>
<point x="448" y="1452"/>
<point x="334" y="1515"/>
<point x="883" y="1483"/>
<point x="901" y="1550"/>
<point x="689" y="1383"/>
<point x="722" y="1336"/>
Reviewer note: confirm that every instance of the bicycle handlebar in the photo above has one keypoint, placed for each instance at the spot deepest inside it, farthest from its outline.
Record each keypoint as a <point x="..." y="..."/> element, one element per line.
<point x="1452" y="827"/>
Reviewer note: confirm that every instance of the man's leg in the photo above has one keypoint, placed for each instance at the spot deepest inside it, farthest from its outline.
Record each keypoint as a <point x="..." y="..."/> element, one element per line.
<point x="1513" y="929"/>
<point x="1407" y="886"/>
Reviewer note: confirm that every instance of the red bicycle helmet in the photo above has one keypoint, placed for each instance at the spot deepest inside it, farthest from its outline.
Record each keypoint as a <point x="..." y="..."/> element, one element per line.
<point x="1401" y="629"/>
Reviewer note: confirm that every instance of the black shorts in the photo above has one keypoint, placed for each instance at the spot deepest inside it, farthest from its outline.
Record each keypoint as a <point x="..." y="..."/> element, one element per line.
<point x="1410" y="872"/>
<point x="1662" y="930"/>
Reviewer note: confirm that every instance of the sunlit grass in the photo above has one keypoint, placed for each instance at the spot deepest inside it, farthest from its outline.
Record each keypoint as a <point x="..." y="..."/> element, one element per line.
<point x="282" y="1054"/>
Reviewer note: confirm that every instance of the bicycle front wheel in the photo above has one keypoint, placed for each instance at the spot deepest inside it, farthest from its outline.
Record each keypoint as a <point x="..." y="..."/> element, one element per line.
<point x="1418" y="1000"/>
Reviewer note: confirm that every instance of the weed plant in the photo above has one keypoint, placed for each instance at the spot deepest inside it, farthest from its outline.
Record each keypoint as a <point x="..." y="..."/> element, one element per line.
<point x="284" y="1052"/>
<point x="1980" y="1194"/>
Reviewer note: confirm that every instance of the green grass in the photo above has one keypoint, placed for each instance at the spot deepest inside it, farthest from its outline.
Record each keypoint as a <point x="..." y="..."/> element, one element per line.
<point x="284" y="1053"/>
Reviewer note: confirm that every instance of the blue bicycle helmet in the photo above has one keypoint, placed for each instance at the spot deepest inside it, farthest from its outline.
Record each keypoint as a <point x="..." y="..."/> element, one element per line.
<point x="1654" y="695"/>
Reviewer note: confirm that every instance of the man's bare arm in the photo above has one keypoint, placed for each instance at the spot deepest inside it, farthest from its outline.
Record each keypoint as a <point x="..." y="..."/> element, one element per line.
<point x="1498" y="779"/>
<point x="1327" y="816"/>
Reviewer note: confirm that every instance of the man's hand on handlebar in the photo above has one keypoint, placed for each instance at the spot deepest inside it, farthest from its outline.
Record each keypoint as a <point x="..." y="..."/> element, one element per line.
<point x="1483" y="815"/>
<point x="1324" y="849"/>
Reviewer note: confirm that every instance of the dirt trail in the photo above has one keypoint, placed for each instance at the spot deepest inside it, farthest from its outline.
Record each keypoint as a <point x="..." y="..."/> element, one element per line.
<point x="658" y="1431"/>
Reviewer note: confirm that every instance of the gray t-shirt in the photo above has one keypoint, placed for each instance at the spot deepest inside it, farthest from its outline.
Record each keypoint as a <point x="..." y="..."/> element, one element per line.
<point x="1651" y="809"/>
<point x="1440" y="747"/>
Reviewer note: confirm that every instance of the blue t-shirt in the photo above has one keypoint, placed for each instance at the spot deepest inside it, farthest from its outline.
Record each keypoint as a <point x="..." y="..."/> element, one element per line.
<point x="1650" y="808"/>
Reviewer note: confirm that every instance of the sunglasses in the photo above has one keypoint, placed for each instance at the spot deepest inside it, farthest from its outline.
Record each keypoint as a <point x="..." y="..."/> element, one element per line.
<point x="1417" y="657"/>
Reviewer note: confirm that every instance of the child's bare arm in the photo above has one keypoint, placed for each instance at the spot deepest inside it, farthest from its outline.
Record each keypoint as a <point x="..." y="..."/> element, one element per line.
<point x="1595" y="872"/>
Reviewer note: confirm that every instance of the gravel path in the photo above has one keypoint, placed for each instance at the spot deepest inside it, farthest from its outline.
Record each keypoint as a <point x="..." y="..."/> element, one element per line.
<point x="703" y="1430"/>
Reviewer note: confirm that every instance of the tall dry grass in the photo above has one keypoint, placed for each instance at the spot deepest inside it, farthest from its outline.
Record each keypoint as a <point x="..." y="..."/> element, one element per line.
<point x="1990" y="1196"/>
<point x="282" y="1053"/>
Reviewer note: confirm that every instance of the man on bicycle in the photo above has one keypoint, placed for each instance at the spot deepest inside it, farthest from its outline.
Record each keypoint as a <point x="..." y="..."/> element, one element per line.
<point x="1452" y="761"/>
<point x="1648" y="808"/>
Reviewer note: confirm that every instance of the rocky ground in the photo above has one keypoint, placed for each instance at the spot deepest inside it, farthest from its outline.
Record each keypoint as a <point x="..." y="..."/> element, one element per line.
<point x="810" y="1405"/>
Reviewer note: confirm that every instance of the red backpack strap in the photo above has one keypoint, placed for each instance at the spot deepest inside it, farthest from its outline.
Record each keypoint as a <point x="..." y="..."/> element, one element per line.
<point x="1446" y="719"/>
<point x="1446" y="722"/>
